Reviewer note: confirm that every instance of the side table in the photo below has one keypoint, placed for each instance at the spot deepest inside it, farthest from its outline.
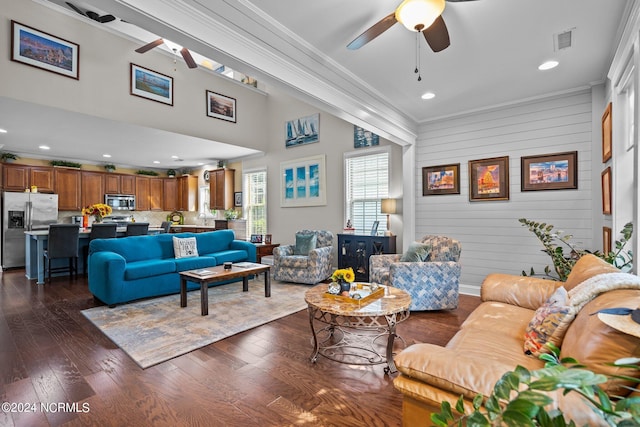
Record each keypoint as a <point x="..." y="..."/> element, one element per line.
<point x="264" y="249"/>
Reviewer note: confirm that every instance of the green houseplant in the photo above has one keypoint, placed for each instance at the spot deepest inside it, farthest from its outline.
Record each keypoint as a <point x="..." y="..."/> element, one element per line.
<point x="109" y="167"/>
<point x="8" y="157"/>
<point x="65" y="163"/>
<point x="147" y="172"/>
<point x="171" y="173"/>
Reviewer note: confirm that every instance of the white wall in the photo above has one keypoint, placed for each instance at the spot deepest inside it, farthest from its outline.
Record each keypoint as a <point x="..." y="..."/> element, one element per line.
<point x="492" y="238"/>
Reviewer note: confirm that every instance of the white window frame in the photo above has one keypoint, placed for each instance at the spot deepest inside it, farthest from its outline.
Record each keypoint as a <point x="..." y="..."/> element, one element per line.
<point x="246" y="198"/>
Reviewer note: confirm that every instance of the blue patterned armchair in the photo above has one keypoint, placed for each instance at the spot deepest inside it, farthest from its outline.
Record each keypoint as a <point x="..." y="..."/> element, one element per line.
<point x="433" y="284"/>
<point x="310" y="269"/>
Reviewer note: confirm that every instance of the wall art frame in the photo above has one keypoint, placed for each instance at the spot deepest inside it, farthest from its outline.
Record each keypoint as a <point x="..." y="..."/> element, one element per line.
<point x="364" y="138"/>
<point x="221" y="106"/>
<point x="489" y="179"/>
<point x="606" y="191"/>
<point x="606" y="240"/>
<point x="303" y="130"/>
<point x="34" y="47"/>
<point x="441" y="179"/>
<point x="557" y="171"/>
<point x="606" y="134"/>
<point x="150" y="84"/>
<point x="237" y="199"/>
<point x="303" y="182"/>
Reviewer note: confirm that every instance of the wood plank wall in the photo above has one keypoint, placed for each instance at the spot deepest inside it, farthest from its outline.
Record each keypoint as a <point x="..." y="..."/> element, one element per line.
<point x="492" y="238"/>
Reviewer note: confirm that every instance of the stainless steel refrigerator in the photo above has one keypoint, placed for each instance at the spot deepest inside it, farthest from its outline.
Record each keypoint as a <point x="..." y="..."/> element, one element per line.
<point x="24" y="212"/>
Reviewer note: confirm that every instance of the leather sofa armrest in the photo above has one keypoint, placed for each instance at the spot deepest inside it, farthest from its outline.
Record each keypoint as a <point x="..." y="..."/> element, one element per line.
<point x="433" y="365"/>
<point x="522" y="291"/>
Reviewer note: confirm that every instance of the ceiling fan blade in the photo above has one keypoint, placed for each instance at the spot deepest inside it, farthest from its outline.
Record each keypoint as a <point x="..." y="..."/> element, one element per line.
<point x="437" y="35"/>
<point x="188" y="58"/>
<point x="106" y="18"/>
<point x="74" y="7"/>
<point x="378" y="28"/>
<point x="149" y="46"/>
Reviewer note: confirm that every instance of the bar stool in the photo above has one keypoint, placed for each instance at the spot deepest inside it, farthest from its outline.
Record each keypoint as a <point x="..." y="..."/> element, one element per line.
<point x="137" y="229"/>
<point x="62" y="243"/>
<point x="166" y="226"/>
<point x="106" y="230"/>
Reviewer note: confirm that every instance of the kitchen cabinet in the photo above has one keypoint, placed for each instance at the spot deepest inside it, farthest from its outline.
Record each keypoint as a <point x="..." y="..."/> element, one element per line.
<point x="354" y="251"/>
<point x="188" y="193"/>
<point x="119" y="184"/>
<point x="127" y="184"/>
<point x="20" y="177"/>
<point x="92" y="188"/>
<point x="155" y="194"/>
<point x="221" y="186"/>
<point x="170" y="200"/>
<point x="143" y="193"/>
<point x="67" y="186"/>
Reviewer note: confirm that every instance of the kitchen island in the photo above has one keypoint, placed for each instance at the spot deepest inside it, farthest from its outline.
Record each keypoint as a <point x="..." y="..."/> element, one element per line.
<point x="36" y="242"/>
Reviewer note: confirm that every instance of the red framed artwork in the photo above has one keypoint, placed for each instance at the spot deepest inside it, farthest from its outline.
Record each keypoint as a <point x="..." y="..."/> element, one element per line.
<point x="489" y="179"/>
<point x="606" y="191"/>
<point x="606" y="134"/>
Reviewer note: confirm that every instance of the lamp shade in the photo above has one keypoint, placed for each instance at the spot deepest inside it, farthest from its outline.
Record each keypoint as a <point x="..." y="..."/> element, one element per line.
<point x="388" y="206"/>
<point x="417" y="15"/>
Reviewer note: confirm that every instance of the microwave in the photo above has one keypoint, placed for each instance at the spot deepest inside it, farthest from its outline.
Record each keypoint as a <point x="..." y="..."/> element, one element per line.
<point x="120" y="202"/>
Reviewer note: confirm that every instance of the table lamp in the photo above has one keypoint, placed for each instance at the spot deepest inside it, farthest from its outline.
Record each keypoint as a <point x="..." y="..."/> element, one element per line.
<point x="388" y="206"/>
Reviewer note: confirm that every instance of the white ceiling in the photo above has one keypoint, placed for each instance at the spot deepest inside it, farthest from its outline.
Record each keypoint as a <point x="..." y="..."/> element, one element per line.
<point x="496" y="46"/>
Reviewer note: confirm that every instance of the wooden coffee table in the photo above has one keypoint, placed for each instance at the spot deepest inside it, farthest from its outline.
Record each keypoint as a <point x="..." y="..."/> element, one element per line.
<point x="205" y="276"/>
<point x="353" y="331"/>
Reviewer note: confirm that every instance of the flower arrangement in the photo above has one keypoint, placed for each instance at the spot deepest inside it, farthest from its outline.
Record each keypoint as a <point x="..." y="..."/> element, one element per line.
<point x="343" y="275"/>
<point x="98" y="210"/>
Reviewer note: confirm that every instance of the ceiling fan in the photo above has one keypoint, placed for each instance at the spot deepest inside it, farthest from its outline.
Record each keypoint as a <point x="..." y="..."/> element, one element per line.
<point x="93" y="15"/>
<point x="416" y="15"/>
<point x="186" y="55"/>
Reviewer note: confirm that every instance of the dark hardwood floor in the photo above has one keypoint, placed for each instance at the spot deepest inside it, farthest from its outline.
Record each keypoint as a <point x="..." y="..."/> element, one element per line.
<point x="50" y="353"/>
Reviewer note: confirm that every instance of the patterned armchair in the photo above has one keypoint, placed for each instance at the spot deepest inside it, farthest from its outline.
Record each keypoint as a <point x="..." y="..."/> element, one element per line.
<point x="311" y="269"/>
<point x="433" y="284"/>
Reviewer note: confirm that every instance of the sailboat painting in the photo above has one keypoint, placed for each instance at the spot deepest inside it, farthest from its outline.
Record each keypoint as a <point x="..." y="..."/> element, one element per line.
<point x="303" y="130"/>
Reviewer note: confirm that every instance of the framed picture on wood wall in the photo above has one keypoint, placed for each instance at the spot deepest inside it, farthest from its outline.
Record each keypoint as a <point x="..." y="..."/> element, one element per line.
<point x="606" y="191"/>
<point x="549" y="172"/>
<point x="489" y="179"/>
<point x="443" y="179"/>
<point x="606" y="134"/>
<point x="606" y="240"/>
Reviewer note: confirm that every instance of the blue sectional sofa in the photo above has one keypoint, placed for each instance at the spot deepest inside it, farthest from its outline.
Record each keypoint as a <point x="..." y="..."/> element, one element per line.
<point x="131" y="268"/>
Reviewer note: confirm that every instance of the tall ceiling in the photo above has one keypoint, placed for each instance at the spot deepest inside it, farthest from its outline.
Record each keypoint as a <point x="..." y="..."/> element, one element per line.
<point x="300" y="46"/>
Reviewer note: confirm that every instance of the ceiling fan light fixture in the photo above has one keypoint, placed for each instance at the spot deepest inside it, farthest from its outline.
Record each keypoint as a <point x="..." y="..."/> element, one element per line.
<point x="417" y="15"/>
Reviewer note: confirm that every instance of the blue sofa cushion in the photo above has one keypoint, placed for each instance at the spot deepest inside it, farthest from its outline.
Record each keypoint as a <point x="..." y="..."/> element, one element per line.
<point x="214" y="241"/>
<point x="148" y="268"/>
<point x="184" y="264"/>
<point x="229" y="256"/>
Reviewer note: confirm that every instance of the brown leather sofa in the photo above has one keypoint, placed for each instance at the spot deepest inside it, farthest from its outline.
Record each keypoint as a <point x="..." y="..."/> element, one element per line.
<point x="490" y="343"/>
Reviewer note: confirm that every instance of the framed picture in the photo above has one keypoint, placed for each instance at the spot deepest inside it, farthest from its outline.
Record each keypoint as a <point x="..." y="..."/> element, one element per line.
<point x="364" y="138"/>
<point x="303" y="182"/>
<point x="42" y="50"/>
<point x="489" y="179"/>
<point x="237" y="198"/>
<point x="151" y="85"/>
<point x="606" y="191"/>
<point x="606" y="240"/>
<point x="374" y="227"/>
<point x="606" y="134"/>
<point x="549" y="172"/>
<point x="221" y="107"/>
<point x="443" y="179"/>
<point x="256" y="238"/>
<point x="304" y="130"/>
<point x="267" y="239"/>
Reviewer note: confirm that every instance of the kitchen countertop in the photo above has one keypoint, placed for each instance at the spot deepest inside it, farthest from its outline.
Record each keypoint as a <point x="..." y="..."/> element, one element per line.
<point x="213" y="227"/>
<point x="85" y="231"/>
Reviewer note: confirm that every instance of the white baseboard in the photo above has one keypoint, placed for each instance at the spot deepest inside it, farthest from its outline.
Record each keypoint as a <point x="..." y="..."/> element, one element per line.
<point x="469" y="290"/>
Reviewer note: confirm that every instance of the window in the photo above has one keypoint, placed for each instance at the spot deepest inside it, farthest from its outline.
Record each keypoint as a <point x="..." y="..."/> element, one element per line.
<point x="255" y="201"/>
<point x="367" y="182"/>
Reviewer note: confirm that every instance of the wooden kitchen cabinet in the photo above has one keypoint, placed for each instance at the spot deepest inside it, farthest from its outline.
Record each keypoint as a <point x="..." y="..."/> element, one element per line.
<point x="170" y="200"/>
<point x="155" y="194"/>
<point x="41" y="177"/>
<point x="127" y="184"/>
<point x="15" y="177"/>
<point x="67" y="186"/>
<point x="112" y="184"/>
<point x="143" y="193"/>
<point x="221" y="186"/>
<point x="188" y="193"/>
<point x="92" y="188"/>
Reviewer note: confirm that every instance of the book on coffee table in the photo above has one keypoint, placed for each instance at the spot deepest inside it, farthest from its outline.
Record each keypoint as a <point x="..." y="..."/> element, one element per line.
<point x="246" y="264"/>
<point x="203" y="272"/>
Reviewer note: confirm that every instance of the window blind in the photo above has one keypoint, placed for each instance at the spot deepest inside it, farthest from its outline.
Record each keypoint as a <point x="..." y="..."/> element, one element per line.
<point x="367" y="182"/>
<point x="255" y="199"/>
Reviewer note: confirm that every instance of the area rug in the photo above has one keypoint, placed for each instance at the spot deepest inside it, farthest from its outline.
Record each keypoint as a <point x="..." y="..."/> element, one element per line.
<point x="155" y="330"/>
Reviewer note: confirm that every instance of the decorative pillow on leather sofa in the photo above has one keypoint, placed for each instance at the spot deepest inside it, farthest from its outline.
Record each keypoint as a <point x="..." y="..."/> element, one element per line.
<point x="185" y="247"/>
<point x="305" y="243"/>
<point x="416" y="252"/>
<point x="549" y="323"/>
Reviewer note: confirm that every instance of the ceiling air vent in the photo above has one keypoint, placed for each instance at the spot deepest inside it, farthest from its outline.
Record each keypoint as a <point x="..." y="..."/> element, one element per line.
<point x="563" y="40"/>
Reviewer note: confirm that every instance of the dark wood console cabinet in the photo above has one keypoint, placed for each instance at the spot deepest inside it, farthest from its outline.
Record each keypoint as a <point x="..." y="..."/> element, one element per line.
<point x="354" y="251"/>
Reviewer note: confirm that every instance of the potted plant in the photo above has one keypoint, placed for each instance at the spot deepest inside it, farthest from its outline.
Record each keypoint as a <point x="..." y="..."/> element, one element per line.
<point x="8" y="157"/>
<point x="231" y="214"/>
<point x="171" y="173"/>
<point x="185" y="172"/>
<point x="109" y="167"/>
<point x="65" y="163"/>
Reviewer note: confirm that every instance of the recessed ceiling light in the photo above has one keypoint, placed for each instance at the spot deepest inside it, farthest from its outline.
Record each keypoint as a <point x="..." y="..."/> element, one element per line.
<point x="156" y="162"/>
<point x="44" y="147"/>
<point x="3" y="131"/>
<point x="175" y="157"/>
<point x="548" y="65"/>
<point x="428" y="95"/>
<point x="106" y="155"/>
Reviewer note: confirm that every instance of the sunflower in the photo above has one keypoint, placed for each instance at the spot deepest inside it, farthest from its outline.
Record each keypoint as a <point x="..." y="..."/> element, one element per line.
<point x="345" y="274"/>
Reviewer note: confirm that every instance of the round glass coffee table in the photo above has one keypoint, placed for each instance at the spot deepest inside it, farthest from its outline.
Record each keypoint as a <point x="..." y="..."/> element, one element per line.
<point x="356" y="333"/>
